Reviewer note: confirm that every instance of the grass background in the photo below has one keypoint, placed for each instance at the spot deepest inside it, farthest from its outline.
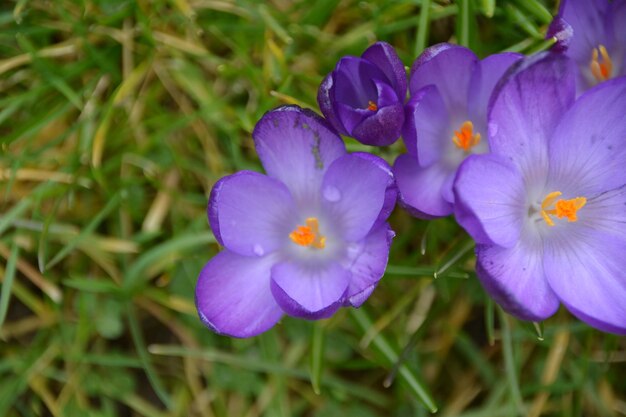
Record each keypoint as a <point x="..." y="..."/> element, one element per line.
<point x="116" y="117"/>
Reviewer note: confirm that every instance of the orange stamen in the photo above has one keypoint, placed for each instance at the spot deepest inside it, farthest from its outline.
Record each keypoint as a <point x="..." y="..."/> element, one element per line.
<point x="562" y="208"/>
<point x="601" y="65"/>
<point x="308" y="235"/>
<point x="371" y="106"/>
<point x="465" y="138"/>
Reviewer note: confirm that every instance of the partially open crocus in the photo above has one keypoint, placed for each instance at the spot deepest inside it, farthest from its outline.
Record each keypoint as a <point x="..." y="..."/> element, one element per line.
<point x="593" y="34"/>
<point x="305" y="239"/>
<point x="364" y="97"/>
<point x="446" y="120"/>
<point x="547" y="206"/>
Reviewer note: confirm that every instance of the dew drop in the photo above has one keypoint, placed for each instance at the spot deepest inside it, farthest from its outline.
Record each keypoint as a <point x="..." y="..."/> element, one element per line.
<point x="353" y="250"/>
<point x="492" y="129"/>
<point x="258" y="250"/>
<point x="331" y="194"/>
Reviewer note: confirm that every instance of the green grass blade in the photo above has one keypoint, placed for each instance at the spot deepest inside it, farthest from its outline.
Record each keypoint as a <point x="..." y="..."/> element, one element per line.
<point x="463" y="23"/>
<point x="113" y="360"/>
<point x="163" y="255"/>
<point x="92" y="285"/>
<point x="273" y="24"/>
<point x="86" y="231"/>
<point x="241" y="361"/>
<point x="539" y="329"/>
<point x="7" y="283"/>
<point x="443" y="12"/>
<point x="544" y="45"/>
<point x="144" y="357"/>
<point x="36" y="124"/>
<point x="7" y="219"/>
<point x="421" y="271"/>
<point x="489" y="321"/>
<point x="524" y="22"/>
<point x="423" y="26"/>
<point x="391" y="356"/>
<point x="49" y="72"/>
<point x="509" y="363"/>
<point x="317" y="356"/>
<point x="537" y="9"/>
<point x="521" y="46"/>
<point x="43" y="237"/>
<point x="272" y="351"/>
<point x="454" y="258"/>
<point x="489" y="7"/>
<point x="475" y="357"/>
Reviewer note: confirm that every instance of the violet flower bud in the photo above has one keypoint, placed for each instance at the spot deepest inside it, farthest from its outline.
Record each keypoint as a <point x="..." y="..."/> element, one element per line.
<point x="364" y="97"/>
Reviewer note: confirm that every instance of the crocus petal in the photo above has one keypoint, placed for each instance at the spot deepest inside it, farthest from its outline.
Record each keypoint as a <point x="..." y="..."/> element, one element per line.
<point x="296" y="146"/>
<point x="562" y="32"/>
<point x="351" y="117"/>
<point x="420" y="189"/>
<point x="484" y="79"/>
<point x="353" y="195"/>
<point x="386" y="94"/>
<point x="384" y="56"/>
<point x="586" y="271"/>
<point x="252" y="213"/>
<point x="525" y="108"/>
<point x="325" y="101"/>
<point x="391" y="193"/>
<point x="367" y="261"/>
<point x="605" y="212"/>
<point x="309" y="291"/>
<point x="490" y="199"/>
<point x="382" y="128"/>
<point x="587" y="152"/>
<point x="515" y="279"/>
<point x="427" y="126"/>
<point x="449" y="67"/>
<point x="233" y="295"/>
<point x="587" y="20"/>
<point x="212" y="212"/>
<point x="354" y="84"/>
<point x="618" y="13"/>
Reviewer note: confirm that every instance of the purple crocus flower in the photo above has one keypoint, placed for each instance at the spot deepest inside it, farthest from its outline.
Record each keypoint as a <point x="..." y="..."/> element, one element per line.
<point x="547" y="206"/>
<point x="446" y="120"/>
<point x="593" y="34"/>
<point x="305" y="239"/>
<point x="364" y="97"/>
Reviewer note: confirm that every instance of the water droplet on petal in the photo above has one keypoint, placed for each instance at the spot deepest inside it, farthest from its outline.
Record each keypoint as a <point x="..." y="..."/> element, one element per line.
<point x="354" y="249"/>
<point x="492" y="129"/>
<point x="258" y="250"/>
<point x="331" y="193"/>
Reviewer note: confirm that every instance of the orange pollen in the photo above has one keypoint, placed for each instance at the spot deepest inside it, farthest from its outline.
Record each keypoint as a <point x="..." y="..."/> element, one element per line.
<point x="371" y="106"/>
<point x="562" y="208"/>
<point x="601" y="65"/>
<point x="308" y="235"/>
<point x="465" y="138"/>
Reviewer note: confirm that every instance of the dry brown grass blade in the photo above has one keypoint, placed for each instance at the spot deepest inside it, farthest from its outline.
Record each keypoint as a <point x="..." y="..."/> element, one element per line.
<point x="63" y="49"/>
<point x="550" y="371"/>
<point x="161" y="204"/>
<point x="30" y="272"/>
<point x="212" y="154"/>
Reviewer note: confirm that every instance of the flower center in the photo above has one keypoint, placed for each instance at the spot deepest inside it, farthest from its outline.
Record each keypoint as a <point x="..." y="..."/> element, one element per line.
<point x="562" y="208"/>
<point x="601" y="64"/>
<point x="371" y="106"/>
<point x="465" y="138"/>
<point x="308" y="235"/>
